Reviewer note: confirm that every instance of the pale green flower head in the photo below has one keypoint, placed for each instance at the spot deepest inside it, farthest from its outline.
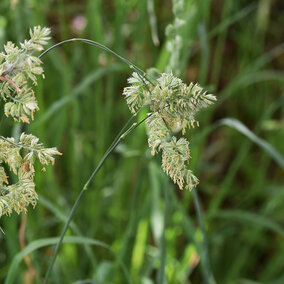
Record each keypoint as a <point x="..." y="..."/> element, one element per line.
<point x="173" y="106"/>
<point x="20" y="157"/>
<point x="19" y="68"/>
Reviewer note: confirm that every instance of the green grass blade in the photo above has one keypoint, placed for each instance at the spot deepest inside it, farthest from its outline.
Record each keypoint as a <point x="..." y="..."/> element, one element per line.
<point x="78" y="91"/>
<point x="252" y="219"/>
<point x="232" y="20"/>
<point x="64" y="218"/>
<point x="236" y="124"/>
<point x="35" y="245"/>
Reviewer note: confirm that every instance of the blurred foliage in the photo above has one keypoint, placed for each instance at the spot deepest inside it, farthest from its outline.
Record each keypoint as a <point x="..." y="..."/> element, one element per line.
<point x="148" y="228"/>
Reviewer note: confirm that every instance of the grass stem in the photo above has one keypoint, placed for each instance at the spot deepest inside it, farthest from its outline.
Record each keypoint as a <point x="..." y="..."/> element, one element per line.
<point x="121" y="135"/>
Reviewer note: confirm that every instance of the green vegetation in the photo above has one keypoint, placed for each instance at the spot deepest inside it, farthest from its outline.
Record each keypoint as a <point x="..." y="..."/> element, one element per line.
<point x="134" y="225"/>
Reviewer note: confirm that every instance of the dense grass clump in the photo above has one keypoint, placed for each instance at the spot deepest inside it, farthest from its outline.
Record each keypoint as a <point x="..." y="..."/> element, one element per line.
<point x="133" y="225"/>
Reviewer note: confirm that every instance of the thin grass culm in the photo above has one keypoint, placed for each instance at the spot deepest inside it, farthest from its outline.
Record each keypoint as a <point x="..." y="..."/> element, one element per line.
<point x="172" y="106"/>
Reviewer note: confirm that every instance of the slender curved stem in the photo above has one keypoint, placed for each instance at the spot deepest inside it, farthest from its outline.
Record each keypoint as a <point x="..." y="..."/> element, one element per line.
<point x="80" y="196"/>
<point x="139" y="71"/>
<point x="115" y="142"/>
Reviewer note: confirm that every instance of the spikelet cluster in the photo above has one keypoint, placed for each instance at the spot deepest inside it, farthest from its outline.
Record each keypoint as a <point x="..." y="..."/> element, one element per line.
<point x="19" y="157"/>
<point x="18" y="68"/>
<point x="173" y="106"/>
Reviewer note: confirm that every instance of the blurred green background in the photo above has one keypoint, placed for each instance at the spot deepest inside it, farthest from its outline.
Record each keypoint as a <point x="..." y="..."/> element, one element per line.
<point x="149" y="228"/>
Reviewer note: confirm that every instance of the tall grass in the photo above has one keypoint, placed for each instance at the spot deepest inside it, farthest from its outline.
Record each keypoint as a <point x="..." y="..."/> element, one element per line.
<point x="133" y="223"/>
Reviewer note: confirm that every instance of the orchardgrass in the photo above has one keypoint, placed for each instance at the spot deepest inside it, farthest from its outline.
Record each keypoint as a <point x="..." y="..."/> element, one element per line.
<point x="171" y="103"/>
